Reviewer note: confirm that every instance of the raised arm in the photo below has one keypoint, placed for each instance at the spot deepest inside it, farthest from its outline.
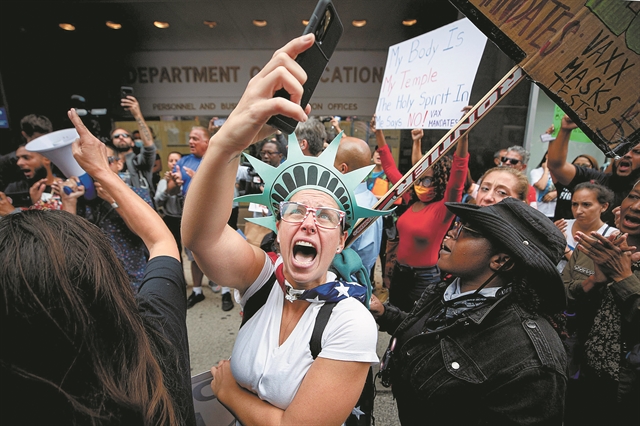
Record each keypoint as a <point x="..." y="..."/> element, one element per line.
<point x="416" y="149"/>
<point x="147" y="156"/>
<point x="131" y="104"/>
<point x="561" y="171"/>
<point x="222" y="254"/>
<point x="91" y="154"/>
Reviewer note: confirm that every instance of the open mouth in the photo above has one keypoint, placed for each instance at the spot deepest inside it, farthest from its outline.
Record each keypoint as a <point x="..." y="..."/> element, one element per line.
<point x="624" y="165"/>
<point x="445" y="249"/>
<point x="632" y="221"/>
<point x="304" y="252"/>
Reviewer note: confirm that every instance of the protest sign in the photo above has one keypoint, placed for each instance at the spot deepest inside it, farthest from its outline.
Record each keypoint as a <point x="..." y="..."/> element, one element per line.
<point x="209" y="411"/>
<point x="448" y="141"/>
<point x="427" y="79"/>
<point x="585" y="54"/>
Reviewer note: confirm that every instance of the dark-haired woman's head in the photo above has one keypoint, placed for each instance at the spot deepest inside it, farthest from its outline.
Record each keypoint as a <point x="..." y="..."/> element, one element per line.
<point x="432" y="185"/>
<point x="69" y="313"/>
<point x="585" y="160"/>
<point x="589" y="201"/>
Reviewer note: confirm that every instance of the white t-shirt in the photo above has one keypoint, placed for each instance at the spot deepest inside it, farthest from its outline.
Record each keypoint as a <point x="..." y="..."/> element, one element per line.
<point x="548" y="209"/>
<point x="274" y="372"/>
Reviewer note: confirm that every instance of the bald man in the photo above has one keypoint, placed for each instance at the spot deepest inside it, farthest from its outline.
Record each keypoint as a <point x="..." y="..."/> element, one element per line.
<point x="353" y="154"/>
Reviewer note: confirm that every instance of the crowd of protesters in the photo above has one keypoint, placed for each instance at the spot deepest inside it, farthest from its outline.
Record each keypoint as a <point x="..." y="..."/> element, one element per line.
<point x="511" y="300"/>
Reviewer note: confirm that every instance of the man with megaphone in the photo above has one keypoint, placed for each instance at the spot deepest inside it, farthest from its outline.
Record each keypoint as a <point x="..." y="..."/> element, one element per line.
<point x="35" y="186"/>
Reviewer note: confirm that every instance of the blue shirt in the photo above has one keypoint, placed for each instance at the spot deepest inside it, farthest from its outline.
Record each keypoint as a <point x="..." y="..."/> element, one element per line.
<point x="192" y="162"/>
<point x="367" y="245"/>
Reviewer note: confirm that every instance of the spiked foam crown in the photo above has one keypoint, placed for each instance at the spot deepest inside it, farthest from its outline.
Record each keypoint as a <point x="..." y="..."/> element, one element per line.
<point x="300" y="172"/>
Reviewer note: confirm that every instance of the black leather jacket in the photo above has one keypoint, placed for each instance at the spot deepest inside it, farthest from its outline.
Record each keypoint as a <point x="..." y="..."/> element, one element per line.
<point x="497" y="364"/>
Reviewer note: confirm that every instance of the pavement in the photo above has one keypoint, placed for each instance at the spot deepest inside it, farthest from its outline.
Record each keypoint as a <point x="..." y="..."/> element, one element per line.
<point x="212" y="333"/>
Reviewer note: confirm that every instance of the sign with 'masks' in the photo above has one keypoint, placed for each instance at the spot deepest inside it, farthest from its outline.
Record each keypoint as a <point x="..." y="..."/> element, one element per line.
<point x="585" y="54"/>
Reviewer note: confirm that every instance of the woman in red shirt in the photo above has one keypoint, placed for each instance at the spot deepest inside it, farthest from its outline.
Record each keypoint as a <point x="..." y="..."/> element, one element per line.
<point x="423" y="226"/>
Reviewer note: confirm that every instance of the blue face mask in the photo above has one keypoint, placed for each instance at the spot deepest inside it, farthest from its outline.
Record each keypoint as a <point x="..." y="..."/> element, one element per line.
<point x="138" y="143"/>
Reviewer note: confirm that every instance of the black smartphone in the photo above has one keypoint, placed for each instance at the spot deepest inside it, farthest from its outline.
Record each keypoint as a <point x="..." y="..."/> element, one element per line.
<point x="326" y="26"/>
<point x="125" y="91"/>
<point x="19" y="199"/>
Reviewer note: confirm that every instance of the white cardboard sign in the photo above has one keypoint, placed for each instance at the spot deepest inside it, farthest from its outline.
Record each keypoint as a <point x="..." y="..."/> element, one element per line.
<point x="428" y="79"/>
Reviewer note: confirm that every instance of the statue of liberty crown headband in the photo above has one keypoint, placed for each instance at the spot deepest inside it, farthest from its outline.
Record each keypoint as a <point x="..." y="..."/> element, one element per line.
<point x="300" y="172"/>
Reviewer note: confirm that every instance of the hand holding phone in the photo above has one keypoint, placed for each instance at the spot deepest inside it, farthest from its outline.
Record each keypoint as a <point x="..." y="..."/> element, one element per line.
<point x="125" y="91"/>
<point x="327" y="28"/>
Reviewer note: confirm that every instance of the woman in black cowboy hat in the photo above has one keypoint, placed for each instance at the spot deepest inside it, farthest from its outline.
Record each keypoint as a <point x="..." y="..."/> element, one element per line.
<point x="482" y="349"/>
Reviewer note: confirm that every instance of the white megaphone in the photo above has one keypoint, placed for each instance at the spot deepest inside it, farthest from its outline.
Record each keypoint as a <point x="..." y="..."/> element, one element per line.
<point x="56" y="146"/>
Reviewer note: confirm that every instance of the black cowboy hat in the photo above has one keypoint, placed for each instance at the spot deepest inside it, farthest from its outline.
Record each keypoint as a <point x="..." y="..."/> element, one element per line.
<point x="528" y="235"/>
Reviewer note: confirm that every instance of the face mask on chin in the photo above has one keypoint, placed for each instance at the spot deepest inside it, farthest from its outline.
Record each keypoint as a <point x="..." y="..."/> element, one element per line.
<point x="425" y="194"/>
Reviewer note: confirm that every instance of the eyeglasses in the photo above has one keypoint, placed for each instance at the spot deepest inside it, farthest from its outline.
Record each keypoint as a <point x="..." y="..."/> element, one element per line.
<point x="269" y="153"/>
<point x="513" y="161"/>
<point x="112" y="160"/>
<point x="455" y="233"/>
<point x="426" y="182"/>
<point x="120" y="135"/>
<point x="324" y="217"/>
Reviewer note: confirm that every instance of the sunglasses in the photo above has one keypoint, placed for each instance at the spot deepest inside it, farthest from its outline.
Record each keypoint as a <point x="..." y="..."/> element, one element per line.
<point x="112" y="160"/>
<point x="513" y="161"/>
<point x="121" y="135"/>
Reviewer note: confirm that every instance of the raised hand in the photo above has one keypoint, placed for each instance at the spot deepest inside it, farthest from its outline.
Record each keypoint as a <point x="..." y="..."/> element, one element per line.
<point x="257" y="104"/>
<point x="336" y="124"/>
<point x="131" y="104"/>
<point x="89" y="152"/>
<point x="567" y="123"/>
<point x="213" y="129"/>
<point x="69" y="201"/>
<point x="417" y="134"/>
<point x="37" y="189"/>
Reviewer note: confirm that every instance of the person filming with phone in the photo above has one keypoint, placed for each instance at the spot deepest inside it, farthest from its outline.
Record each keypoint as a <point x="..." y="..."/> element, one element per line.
<point x="138" y="166"/>
<point x="274" y="376"/>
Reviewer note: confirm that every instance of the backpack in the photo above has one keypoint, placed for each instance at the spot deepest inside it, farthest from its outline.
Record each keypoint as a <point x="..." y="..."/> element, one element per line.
<point x="364" y="406"/>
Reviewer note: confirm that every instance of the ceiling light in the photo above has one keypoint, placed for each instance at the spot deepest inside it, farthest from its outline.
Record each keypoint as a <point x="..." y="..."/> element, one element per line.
<point x="409" y="22"/>
<point x="259" y="22"/>
<point x="161" y="24"/>
<point x="67" y="27"/>
<point x="359" y="22"/>
<point x="210" y="24"/>
<point x="305" y="22"/>
<point x="113" y="25"/>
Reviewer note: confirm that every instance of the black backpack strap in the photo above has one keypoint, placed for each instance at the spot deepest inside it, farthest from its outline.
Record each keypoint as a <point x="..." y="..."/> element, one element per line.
<point x="365" y="402"/>
<point x="258" y="300"/>
<point x="315" y="343"/>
